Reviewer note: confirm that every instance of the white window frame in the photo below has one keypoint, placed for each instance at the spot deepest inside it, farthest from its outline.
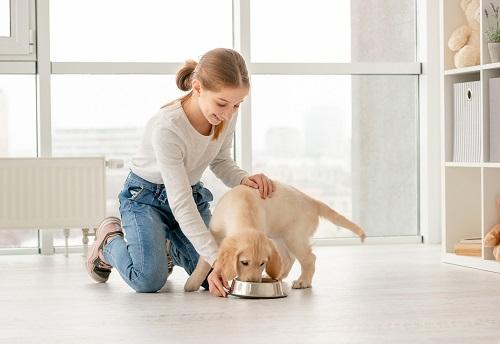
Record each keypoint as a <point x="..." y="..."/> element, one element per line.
<point x="20" y="45"/>
<point x="426" y="69"/>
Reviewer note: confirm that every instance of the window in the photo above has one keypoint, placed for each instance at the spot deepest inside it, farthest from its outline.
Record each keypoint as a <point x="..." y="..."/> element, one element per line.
<point x="17" y="115"/>
<point x="332" y="134"/>
<point x="15" y="33"/>
<point x="333" y="31"/>
<point x="18" y="138"/>
<point x="349" y="141"/>
<point x="145" y="31"/>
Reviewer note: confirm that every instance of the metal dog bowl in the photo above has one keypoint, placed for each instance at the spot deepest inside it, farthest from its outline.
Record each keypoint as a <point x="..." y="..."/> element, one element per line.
<point x="267" y="289"/>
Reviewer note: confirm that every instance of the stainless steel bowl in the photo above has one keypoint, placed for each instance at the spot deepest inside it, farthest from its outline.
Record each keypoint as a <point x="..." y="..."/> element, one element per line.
<point x="267" y="289"/>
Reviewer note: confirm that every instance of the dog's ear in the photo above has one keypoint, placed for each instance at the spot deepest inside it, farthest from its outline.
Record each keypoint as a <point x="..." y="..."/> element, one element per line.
<point x="274" y="264"/>
<point x="228" y="258"/>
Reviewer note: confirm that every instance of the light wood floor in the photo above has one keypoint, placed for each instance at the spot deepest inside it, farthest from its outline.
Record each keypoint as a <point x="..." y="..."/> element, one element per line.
<point x="360" y="294"/>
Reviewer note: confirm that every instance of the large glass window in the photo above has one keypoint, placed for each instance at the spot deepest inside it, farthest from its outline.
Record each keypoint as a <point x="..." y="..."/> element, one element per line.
<point x="348" y="141"/>
<point x="145" y="31"/>
<point x="333" y="31"/>
<point x="17" y="115"/>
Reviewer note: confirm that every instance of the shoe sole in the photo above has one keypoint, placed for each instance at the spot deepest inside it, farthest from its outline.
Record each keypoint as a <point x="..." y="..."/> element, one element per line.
<point x="91" y="267"/>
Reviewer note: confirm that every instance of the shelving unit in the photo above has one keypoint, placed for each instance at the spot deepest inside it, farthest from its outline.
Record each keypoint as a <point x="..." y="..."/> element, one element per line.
<point x="469" y="189"/>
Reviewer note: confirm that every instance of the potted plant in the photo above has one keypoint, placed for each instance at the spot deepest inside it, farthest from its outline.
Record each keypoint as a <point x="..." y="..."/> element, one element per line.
<point x="493" y="33"/>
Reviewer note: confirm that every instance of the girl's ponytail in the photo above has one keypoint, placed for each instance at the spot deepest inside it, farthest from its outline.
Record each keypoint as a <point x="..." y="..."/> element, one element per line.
<point x="183" y="77"/>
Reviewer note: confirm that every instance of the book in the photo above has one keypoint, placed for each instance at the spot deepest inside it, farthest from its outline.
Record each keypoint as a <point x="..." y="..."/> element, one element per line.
<point x="474" y="240"/>
<point x="468" y="249"/>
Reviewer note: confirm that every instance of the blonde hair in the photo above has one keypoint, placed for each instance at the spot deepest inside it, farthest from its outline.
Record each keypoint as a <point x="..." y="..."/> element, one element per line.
<point x="217" y="69"/>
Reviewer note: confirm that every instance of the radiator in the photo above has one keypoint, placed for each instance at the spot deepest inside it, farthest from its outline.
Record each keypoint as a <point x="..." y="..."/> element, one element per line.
<point x="48" y="193"/>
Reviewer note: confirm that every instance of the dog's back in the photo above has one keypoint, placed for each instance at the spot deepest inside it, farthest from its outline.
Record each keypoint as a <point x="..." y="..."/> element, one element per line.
<point x="243" y="207"/>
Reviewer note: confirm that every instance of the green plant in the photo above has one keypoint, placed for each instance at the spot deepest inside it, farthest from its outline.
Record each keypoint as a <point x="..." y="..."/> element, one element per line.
<point x="493" y="32"/>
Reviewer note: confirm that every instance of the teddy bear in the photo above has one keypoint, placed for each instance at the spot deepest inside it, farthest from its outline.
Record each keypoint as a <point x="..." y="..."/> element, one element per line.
<point x="492" y="238"/>
<point x="465" y="39"/>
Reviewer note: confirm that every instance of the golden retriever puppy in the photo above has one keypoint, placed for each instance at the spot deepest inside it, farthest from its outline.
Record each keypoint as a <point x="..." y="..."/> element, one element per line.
<point x="256" y="234"/>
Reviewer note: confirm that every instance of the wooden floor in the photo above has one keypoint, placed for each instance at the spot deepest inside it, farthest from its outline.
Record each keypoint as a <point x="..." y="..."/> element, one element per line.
<point x="360" y="294"/>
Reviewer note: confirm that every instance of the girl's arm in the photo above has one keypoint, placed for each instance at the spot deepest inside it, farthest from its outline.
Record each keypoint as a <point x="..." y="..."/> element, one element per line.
<point x="180" y="196"/>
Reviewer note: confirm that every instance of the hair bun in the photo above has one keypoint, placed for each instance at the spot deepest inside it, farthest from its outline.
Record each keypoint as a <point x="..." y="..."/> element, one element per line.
<point x="183" y="75"/>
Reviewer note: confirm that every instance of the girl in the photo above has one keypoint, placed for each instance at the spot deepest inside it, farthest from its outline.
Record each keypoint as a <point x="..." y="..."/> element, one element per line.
<point x="164" y="207"/>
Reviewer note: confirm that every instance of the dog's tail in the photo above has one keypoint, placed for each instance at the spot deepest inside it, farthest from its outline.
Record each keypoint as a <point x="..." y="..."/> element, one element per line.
<point x="337" y="219"/>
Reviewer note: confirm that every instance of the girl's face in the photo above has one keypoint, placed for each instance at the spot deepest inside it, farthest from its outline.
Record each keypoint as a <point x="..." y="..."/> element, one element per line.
<point x="221" y="105"/>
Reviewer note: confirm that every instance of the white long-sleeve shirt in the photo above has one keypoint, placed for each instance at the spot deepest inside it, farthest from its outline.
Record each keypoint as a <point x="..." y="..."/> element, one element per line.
<point x="172" y="152"/>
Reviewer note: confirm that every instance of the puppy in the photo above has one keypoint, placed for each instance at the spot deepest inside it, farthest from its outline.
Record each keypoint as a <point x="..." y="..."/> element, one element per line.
<point x="256" y="234"/>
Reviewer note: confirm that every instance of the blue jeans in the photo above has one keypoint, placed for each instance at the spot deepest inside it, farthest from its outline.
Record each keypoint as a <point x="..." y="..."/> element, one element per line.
<point x="147" y="221"/>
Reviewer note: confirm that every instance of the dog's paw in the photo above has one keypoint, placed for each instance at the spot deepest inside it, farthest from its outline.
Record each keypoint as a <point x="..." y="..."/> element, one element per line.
<point x="301" y="284"/>
<point x="192" y="284"/>
<point x="197" y="277"/>
<point x="362" y="235"/>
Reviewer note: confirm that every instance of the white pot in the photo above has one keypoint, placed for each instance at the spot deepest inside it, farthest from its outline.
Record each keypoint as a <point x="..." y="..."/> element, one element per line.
<point x="494" y="49"/>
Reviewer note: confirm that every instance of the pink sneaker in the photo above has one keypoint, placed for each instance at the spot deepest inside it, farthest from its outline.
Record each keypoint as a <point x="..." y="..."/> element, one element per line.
<point x="97" y="267"/>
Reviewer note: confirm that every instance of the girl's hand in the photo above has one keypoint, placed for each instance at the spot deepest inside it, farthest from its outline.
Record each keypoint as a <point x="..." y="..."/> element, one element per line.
<point x="217" y="283"/>
<point x="260" y="181"/>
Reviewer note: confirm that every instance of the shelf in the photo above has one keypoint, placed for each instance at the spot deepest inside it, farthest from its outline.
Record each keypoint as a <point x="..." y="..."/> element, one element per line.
<point x="466" y="70"/>
<point x="462" y="164"/>
<point x="472" y="69"/>
<point x="472" y="164"/>
<point x="472" y="262"/>
<point x="469" y="189"/>
<point x="490" y="66"/>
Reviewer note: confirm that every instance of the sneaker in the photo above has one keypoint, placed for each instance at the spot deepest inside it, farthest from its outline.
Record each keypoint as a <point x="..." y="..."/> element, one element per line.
<point x="170" y="261"/>
<point x="97" y="267"/>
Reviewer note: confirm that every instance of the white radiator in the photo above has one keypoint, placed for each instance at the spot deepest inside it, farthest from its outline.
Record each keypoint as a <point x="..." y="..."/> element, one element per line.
<point x="48" y="193"/>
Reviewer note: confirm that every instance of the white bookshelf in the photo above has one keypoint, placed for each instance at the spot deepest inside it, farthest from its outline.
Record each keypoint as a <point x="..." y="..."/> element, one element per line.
<point x="468" y="189"/>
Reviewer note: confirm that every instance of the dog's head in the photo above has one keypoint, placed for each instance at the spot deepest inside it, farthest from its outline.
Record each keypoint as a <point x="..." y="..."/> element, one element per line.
<point x="246" y="254"/>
